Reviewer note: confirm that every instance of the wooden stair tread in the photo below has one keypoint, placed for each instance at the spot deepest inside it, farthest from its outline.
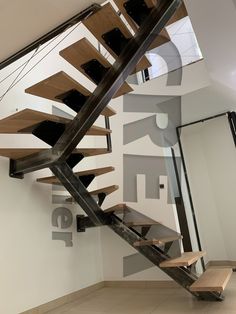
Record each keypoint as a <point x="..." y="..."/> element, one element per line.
<point x="106" y="190"/>
<point x="160" y="241"/>
<point x="186" y="259"/>
<point x="82" y="52"/>
<point x="17" y="153"/>
<point x="97" y="130"/>
<point x="59" y="84"/>
<point x="159" y="40"/>
<point x="95" y="172"/>
<point x="105" y="20"/>
<point x="117" y="209"/>
<point x="26" y="118"/>
<point x="212" y="279"/>
<point x="140" y="223"/>
<point x="21" y="122"/>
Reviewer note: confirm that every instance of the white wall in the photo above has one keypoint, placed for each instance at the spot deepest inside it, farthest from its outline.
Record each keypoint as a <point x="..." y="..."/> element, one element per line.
<point x="34" y="269"/>
<point x="211" y="163"/>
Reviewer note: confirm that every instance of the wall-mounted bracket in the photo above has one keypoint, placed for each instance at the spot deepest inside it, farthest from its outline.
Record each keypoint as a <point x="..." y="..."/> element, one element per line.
<point x="95" y="70"/>
<point x="137" y="10"/>
<point x="116" y="40"/>
<point x="73" y="99"/>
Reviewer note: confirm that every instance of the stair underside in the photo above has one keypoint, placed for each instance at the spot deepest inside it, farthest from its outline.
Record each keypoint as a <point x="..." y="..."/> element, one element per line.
<point x="58" y="84"/>
<point x="160" y="241"/>
<point x="212" y="280"/>
<point x="186" y="259"/>
<point x="106" y="20"/>
<point x="160" y="40"/>
<point x="22" y="121"/>
<point x="95" y="172"/>
<point x="81" y="52"/>
<point x="17" y="153"/>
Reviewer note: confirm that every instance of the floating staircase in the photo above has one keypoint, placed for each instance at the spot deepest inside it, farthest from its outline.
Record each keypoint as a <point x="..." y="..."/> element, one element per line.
<point x="147" y="19"/>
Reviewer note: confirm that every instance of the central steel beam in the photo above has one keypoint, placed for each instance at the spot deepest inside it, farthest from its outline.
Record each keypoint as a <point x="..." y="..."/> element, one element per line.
<point x="78" y="191"/>
<point x="103" y="94"/>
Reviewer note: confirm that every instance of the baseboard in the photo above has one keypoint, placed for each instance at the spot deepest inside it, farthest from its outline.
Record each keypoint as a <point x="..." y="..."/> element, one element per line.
<point x="52" y="305"/>
<point x="221" y="264"/>
<point x="141" y="284"/>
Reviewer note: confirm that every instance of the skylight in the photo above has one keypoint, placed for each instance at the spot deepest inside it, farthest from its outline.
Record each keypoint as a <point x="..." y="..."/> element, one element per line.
<point x="183" y="49"/>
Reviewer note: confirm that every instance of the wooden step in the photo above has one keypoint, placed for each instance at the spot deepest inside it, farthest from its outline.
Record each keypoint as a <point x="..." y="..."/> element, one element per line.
<point x="161" y="241"/>
<point x="212" y="279"/>
<point x="26" y="118"/>
<point x="59" y="84"/>
<point x="95" y="172"/>
<point x="117" y="209"/>
<point x="106" y="190"/>
<point x="106" y="20"/>
<point x="186" y="259"/>
<point x="162" y="39"/>
<point x="98" y="131"/>
<point x="82" y="52"/>
<point x="17" y="153"/>
<point x="144" y="223"/>
<point x="23" y="122"/>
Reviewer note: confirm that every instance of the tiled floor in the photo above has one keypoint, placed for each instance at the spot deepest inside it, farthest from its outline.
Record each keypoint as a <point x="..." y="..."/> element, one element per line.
<point x="149" y="301"/>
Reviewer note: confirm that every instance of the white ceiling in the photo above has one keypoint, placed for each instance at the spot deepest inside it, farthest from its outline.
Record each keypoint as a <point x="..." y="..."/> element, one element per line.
<point x="23" y="21"/>
<point x="214" y="22"/>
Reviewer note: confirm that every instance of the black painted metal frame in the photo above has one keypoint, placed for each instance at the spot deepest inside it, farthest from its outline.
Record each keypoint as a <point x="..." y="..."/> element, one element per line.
<point x="183" y="222"/>
<point x="56" y="157"/>
<point x="232" y="123"/>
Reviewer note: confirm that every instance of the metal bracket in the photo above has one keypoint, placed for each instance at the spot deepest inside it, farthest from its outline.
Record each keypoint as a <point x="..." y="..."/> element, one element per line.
<point x="95" y="70"/>
<point x="12" y="171"/>
<point x="137" y="10"/>
<point x="115" y="40"/>
<point x="79" y="228"/>
<point x="49" y="131"/>
<point x="101" y="198"/>
<point x="232" y="123"/>
<point x="74" y="159"/>
<point x="108" y="136"/>
<point x="86" y="180"/>
<point x="167" y="247"/>
<point x="73" y="99"/>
